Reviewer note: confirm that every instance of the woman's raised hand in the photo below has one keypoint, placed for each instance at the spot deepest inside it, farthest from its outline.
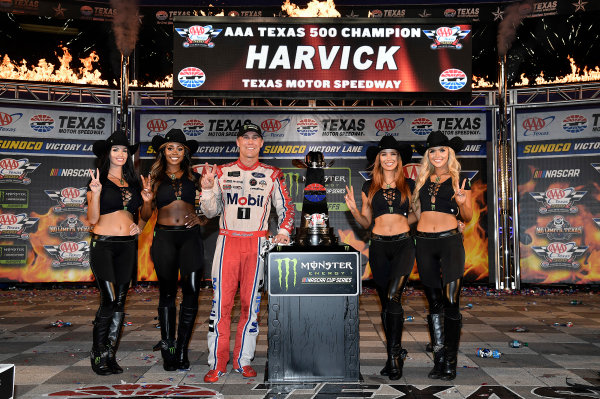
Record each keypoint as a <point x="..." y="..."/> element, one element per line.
<point x="349" y="197"/>
<point x="460" y="196"/>
<point x="95" y="184"/>
<point x="208" y="176"/>
<point x="147" y="194"/>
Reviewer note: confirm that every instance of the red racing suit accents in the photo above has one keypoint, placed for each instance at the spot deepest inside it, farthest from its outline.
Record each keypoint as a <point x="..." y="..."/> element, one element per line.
<point x="243" y="197"/>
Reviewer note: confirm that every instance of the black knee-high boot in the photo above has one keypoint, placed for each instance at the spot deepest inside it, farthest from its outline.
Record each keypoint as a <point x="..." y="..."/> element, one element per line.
<point x="187" y="319"/>
<point x="452" y="329"/>
<point x="166" y="318"/>
<point x="385" y="371"/>
<point x="396" y="355"/>
<point x="99" y="356"/>
<point x="436" y="326"/>
<point x="115" y="331"/>
<point x="430" y="344"/>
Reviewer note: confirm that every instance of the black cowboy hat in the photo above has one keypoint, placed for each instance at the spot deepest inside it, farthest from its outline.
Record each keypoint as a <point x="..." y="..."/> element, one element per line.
<point x="119" y="137"/>
<point x="174" y="136"/>
<point x="389" y="143"/>
<point x="439" y="139"/>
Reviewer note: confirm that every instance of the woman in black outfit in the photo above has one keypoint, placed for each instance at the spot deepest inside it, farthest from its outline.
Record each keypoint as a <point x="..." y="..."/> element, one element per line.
<point x="177" y="246"/>
<point x="440" y="198"/>
<point x="386" y="200"/>
<point x="113" y="202"/>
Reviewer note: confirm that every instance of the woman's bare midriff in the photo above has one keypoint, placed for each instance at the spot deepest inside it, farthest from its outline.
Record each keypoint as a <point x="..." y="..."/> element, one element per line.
<point x="117" y="223"/>
<point x="174" y="213"/>
<point x="434" y="222"/>
<point x="390" y="225"/>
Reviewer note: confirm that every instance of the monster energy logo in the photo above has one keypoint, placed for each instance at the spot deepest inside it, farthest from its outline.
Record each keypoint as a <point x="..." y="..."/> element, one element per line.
<point x="286" y="262"/>
<point x="293" y="180"/>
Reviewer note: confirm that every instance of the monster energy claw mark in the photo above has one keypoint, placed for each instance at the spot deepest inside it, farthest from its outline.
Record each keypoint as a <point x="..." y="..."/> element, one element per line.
<point x="287" y="261"/>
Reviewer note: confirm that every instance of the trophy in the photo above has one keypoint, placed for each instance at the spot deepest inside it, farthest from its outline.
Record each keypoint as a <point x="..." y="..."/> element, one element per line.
<point x="314" y="224"/>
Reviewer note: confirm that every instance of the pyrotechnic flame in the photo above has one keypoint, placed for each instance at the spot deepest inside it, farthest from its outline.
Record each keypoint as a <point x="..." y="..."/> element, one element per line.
<point x="315" y="8"/>
<point x="46" y="72"/>
<point x="146" y="270"/>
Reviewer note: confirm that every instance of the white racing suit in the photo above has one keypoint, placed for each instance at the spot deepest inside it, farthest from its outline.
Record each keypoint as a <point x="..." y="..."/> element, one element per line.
<point x="242" y="196"/>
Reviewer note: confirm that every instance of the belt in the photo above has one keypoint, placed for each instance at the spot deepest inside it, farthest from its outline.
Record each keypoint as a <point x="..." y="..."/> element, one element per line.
<point x="175" y="227"/>
<point x="441" y="234"/>
<point x="235" y="233"/>
<point x="99" y="237"/>
<point x="390" y="238"/>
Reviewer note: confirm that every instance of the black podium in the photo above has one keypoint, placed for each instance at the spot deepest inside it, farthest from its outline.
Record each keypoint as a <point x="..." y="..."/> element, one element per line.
<point x="313" y="314"/>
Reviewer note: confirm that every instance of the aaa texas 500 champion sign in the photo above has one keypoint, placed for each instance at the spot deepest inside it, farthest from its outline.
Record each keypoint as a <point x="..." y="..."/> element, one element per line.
<point x="322" y="57"/>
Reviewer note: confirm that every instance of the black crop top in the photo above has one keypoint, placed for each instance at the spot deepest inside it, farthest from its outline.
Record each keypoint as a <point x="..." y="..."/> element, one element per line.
<point x="177" y="189"/>
<point x="444" y="196"/>
<point x="114" y="198"/>
<point x="388" y="200"/>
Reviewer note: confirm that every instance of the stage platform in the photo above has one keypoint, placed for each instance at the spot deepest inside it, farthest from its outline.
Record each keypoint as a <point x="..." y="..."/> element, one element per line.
<point x="560" y="361"/>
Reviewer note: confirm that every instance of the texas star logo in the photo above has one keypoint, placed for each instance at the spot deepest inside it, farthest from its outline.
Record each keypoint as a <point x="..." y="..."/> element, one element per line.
<point x="69" y="199"/>
<point x="198" y="36"/>
<point x="446" y="37"/>
<point x="558" y="199"/>
<point x="16" y="170"/>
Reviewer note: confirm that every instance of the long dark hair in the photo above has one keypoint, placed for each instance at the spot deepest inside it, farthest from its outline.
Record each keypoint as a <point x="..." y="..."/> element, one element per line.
<point x="128" y="171"/>
<point x="158" y="170"/>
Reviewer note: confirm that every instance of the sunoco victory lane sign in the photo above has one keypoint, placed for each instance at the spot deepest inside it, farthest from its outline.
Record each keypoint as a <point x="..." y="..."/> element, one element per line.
<point x="324" y="57"/>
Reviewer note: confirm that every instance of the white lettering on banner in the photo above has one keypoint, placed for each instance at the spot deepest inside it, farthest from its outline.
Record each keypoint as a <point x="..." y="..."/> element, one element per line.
<point x="204" y="149"/>
<point x="381" y="32"/>
<point x="63" y="147"/>
<point x="324" y="148"/>
<point x="278" y="32"/>
<point x="367" y="84"/>
<point x="303" y="57"/>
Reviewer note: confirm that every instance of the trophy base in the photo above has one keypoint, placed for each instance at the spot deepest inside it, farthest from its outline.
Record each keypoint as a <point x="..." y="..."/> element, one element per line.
<point x="316" y="236"/>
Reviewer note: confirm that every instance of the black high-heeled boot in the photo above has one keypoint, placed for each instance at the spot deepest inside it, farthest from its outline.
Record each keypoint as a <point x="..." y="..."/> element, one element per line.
<point x="452" y="329"/>
<point x="99" y="356"/>
<point x="385" y="371"/>
<point x="115" y="330"/>
<point x="436" y="323"/>
<point x="166" y="318"/>
<point x="396" y="355"/>
<point x="187" y="319"/>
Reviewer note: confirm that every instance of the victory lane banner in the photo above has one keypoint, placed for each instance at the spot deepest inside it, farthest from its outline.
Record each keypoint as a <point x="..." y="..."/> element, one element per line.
<point x="299" y="272"/>
<point x="321" y="57"/>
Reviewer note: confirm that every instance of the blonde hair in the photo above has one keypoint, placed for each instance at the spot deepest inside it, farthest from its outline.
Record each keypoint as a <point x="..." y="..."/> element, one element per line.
<point x="426" y="169"/>
<point x="377" y="179"/>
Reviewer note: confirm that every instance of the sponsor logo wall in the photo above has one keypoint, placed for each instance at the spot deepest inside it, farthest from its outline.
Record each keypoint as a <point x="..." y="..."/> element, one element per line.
<point x="45" y="156"/>
<point x="43" y="229"/>
<point x="55" y="123"/>
<point x="559" y="196"/>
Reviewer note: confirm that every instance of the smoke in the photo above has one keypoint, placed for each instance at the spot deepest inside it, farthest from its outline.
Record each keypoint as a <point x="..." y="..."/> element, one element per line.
<point x="507" y="29"/>
<point x="126" y="24"/>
